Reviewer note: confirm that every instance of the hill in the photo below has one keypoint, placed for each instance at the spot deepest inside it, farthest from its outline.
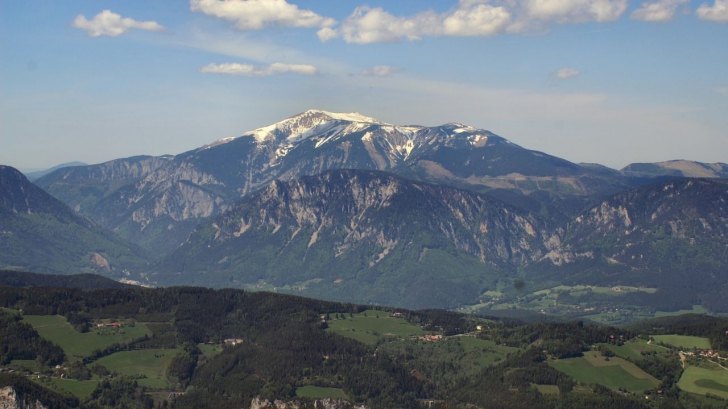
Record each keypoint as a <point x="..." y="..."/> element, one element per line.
<point x="671" y="235"/>
<point x="27" y="279"/>
<point x="40" y="233"/>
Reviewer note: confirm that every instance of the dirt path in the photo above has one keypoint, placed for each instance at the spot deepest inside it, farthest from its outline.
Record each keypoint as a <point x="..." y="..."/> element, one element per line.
<point x="683" y="358"/>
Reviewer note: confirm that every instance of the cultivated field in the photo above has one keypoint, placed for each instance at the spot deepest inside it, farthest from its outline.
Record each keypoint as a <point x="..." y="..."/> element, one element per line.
<point x="614" y="373"/>
<point x="79" y="389"/>
<point x="484" y="352"/>
<point x="151" y="363"/>
<point x="703" y="381"/>
<point x="633" y="349"/>
<point x="683" y="341"/>
<point x="76" y="344"/>
<point x="371" y="325"/>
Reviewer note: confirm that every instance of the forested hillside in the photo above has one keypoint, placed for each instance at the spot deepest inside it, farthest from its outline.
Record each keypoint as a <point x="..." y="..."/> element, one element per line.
<point x="223" y="348"/>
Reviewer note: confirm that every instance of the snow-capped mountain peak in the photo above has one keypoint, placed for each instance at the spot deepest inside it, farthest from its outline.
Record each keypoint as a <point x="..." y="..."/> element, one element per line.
<point x="303" y="125"/>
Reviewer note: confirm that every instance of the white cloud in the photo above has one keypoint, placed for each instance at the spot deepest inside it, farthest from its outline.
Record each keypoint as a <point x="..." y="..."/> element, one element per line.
<point x="566" y="73"/>
<point x="661" y="10"/>
<point x="326" y="34"/>
<point x="470" y="18"/>
<point x="248" y="70"/>
<point x="259" y="14"/>
<point x="375" y="25"/>
<point x="379" y="71"/>
<point x="110" y="24"/>
<point x="574" y="11"/>
<point x="718" y="12"/>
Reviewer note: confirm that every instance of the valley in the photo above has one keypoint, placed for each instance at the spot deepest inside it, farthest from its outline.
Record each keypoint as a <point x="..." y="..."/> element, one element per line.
<point x="309" y="349"/>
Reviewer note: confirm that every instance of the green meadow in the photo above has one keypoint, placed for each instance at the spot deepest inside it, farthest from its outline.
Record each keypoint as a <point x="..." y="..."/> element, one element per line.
<point x="316" y="392"/>
<point x="683" y="341"/>
<point x="704" y="381"/>
<point x="79" y="345"/>
<point x="371" y="325"/>
<point x="484" y="352"/>
<point x="633" y="349"/>
<point x="615" y="373"/>
<point x="79" y="389"/>
<point x="151" y="363"/>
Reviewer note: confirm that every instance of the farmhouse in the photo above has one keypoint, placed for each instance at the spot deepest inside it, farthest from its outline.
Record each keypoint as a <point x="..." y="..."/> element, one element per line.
<point x="231" y="342"/>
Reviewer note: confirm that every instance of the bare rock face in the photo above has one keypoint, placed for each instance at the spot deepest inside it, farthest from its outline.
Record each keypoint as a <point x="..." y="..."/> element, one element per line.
<point x="100" y="261"/>
<point x="345" y="232"/>
<point x="327" y="403"/>
<point x="9" y="399"/>
<point x="157" y="201"/>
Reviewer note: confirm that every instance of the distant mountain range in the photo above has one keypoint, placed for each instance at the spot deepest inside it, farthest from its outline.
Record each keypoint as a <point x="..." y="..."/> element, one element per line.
<point x="33" y="175"/>
<point x="346" y="207"/>
<point x="157" y="201"/>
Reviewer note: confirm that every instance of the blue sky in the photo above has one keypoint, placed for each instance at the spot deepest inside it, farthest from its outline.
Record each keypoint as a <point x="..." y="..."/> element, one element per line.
<point x="607" y="81"/>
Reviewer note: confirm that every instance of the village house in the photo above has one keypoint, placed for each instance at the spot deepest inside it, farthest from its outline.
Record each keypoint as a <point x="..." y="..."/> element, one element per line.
<point x="432" y="338"/>
<point x="231" y="342"/>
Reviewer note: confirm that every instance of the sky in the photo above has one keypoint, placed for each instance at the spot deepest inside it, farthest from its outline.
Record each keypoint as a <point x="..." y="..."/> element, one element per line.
<point x="601" y="81"/>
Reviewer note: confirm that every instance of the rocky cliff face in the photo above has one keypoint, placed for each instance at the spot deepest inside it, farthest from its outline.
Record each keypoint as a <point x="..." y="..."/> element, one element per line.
<point x="671" y="235"/>
<point x="157" y="201"/>
<point x="327" y="403"/>
<point x="9" y="399"/>
<point x="366" y="229"/>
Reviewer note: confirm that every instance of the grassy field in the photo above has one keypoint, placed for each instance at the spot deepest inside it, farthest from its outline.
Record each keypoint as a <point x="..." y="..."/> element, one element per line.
<point x="703" y="381"/>
<point x="634" y="348"/>
<point x="548" y="389"/>
<point x="79" y="389"/>
<point x="614" y="374"/>
<point x="316" y="392"/>
<point x="149" y="362"/>
<point x="367" y="328"/>
<point x="697" y="309"/>
<point x="683" y="341"/>
<point x="27" y="364"/>
<point x="484" y="352"/>
<point x="76" y="344"/>
<point x="210" y="350"/>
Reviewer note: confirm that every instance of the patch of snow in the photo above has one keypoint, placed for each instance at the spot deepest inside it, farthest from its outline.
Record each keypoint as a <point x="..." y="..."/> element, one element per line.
<point x="352" y="116"/>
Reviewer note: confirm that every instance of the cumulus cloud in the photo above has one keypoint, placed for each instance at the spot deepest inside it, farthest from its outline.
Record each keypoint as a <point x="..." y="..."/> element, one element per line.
<point x="471" y="18"/>
<point x="247" y="70"/>
<point x="379" y="71"/>
<point x="110" y="24"/>
<point x="566" y="73"/>
<point x="574" y="11"/>
<point x="718" y="12"/>
<point x="661" y="10"/>
<point x="259" y="14"/>
<point x="375" y="25"/>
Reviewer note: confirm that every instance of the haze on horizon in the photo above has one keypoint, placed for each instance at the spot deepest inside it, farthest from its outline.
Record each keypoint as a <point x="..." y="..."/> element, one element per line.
<point x="605" y="81"/>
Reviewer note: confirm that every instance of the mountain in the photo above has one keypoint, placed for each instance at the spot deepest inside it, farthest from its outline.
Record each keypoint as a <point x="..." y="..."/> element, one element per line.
<point x="363" y="236"/>
<point x="677" y="168"/>
<point x="159" y="207"/>
<point x="40" y="233"/>
<point x="671" y="235"/>
<point x="40" y="173"/>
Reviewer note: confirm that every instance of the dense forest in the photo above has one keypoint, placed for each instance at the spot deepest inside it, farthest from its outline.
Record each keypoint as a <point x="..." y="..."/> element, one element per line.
<point x="285" y="347"/>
